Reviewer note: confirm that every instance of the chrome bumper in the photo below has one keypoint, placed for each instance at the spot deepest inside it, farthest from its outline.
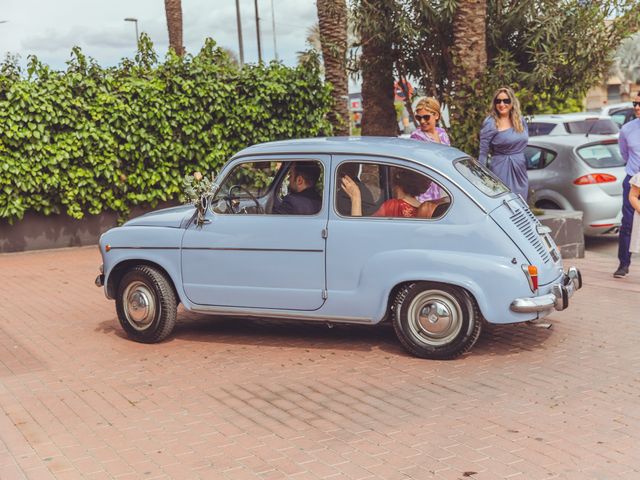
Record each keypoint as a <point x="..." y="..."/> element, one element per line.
<point x="558" y="298"/>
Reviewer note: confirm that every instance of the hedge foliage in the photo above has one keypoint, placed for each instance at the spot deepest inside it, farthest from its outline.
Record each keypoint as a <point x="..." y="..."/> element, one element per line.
<point x="91" y="139"/>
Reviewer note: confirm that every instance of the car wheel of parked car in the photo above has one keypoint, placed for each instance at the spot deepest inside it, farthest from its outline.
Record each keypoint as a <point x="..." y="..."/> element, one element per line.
<point x="437" y="321"/>
<point x="146" y="304"/>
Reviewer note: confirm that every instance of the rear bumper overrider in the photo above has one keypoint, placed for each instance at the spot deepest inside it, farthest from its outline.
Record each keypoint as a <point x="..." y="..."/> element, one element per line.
<point x="558" y="298"/>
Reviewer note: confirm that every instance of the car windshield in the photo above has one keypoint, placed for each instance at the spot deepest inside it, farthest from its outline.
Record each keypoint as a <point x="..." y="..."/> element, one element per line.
<point x="601" y="155"/>
<point x="249" y="179"/>
<point x="596" y="126"/>
<point x="481" y="178"/>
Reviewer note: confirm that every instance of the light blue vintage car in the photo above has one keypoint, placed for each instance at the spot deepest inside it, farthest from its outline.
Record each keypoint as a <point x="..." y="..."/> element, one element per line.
<point x="468" y="251"/>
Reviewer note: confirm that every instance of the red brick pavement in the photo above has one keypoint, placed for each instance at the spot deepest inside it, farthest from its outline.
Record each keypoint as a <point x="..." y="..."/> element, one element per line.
<point x="236" y="399"/>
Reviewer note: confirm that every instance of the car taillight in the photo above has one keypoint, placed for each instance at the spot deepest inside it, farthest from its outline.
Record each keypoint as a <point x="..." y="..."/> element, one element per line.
<point x="594" y="178"/>
<point x="531" y="271"/>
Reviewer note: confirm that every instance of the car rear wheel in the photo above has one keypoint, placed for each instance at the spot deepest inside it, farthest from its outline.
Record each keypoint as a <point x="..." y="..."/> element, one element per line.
<point x="146" y="304"/>
<point x="436" y="321"/>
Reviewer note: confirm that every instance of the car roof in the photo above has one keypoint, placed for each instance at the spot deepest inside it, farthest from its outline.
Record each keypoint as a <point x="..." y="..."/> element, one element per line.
<point x="571" y="141"/>
<point x="616" y="106"/>
<point x="565" y="117"/>
<point x="416" y="150"/>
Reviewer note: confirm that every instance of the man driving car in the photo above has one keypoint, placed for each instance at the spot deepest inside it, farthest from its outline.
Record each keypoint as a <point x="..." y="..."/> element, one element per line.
<point x="302" y="199"/>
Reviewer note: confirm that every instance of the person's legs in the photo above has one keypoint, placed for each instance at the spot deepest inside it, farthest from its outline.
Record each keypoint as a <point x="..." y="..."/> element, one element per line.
<point x="624" y="237"/>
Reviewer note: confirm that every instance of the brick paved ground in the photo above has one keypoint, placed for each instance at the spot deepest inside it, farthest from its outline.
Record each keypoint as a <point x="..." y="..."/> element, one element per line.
<point x="230" y="399"/>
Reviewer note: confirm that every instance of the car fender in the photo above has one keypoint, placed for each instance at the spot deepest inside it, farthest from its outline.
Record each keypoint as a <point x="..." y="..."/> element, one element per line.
<point x="494" y="281"/>
<point x="155" y="246"/>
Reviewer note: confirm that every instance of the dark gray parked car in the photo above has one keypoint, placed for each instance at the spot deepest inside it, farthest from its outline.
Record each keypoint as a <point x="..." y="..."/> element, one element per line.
<point x="576" y="172"/>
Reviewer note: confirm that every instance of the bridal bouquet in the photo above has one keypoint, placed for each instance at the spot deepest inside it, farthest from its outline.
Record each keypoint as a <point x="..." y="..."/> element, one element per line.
<point x="198" y="191"/>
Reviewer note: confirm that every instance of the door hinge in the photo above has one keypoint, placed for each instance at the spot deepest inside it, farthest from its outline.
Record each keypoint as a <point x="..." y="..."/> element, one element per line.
<point x="325" y="233"/>
<point x="325" y="294"/>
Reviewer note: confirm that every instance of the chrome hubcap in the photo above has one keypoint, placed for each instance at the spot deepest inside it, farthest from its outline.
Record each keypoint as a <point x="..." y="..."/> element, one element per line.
<point x="139" y="305"/>
<point x="435" y="317"/>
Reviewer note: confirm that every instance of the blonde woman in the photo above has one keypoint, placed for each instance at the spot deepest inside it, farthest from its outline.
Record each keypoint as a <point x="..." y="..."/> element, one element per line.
<point x="427" y="114"/>
<point x="504" y="135"/>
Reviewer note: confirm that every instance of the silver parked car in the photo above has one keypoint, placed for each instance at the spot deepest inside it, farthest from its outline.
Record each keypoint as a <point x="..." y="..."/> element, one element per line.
<point x="620" y="113"/>
<point x="576" y="172"/>
<point x="572" y="123"/>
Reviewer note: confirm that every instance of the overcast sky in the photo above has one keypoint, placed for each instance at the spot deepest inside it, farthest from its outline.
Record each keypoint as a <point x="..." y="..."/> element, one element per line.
<point x="49" y="29"/>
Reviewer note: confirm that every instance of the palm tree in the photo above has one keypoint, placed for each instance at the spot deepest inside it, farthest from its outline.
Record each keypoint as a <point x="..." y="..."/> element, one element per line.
<point x="173" y="10"/>
<point x="468" y="54"/>
<point x="332" y="19"/>
<point x="375" y="25"/>
<point x="313" y="42"/>
<point x="469" y="48"/>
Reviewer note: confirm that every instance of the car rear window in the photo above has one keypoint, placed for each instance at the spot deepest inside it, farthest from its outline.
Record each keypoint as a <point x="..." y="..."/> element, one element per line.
<point x="540" y="128"/>
<point x="482" y="178"/>
<point x="596" y="126"/>
<point x="601" y="155"/>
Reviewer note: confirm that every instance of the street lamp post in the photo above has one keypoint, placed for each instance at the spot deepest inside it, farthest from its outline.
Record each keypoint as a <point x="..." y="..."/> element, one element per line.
<point x="273" y="28"/>
<point x="239" y="32"/>
<point x="134" y="20"/>
<point x="255" y="4"/>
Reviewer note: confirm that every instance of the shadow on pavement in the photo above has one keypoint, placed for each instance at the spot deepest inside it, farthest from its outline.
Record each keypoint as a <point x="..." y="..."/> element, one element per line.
<point x="494" y="340"/>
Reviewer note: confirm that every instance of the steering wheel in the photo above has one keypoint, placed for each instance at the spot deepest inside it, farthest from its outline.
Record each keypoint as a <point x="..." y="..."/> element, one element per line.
<point x="234" y="206"/>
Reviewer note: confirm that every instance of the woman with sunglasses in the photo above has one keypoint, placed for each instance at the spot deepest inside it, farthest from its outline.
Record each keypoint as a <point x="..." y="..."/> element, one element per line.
<point x="504" y="135"/>
<point x="427" y="115"/>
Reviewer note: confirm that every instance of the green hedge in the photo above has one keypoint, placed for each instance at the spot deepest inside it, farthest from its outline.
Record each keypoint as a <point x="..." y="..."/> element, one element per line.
<point x="92" y="139"/>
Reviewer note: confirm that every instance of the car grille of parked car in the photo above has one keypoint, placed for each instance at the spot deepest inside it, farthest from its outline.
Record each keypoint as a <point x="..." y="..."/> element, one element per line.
<point x="526" y="223"/>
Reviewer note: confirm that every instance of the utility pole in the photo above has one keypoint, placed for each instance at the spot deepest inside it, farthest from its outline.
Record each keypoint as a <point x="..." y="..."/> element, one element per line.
<point x="255" y="3"/>
<point x="273" y="28"/>
<point x="239" y="32"/>
<point x="135" y="21"/>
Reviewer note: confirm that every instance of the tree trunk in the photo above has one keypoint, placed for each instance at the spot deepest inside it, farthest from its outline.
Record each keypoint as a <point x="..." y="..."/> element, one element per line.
<point x="332" y="17"/>
<point x="173" y="10"/>
<point x="379" y="114"/>
<point x="469" y="58"/>
<point x="469" y="49"/>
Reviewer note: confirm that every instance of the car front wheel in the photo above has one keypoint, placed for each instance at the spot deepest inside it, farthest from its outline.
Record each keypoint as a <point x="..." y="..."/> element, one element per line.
<point x="436" y="321"/>
<point x="146" y="304"/>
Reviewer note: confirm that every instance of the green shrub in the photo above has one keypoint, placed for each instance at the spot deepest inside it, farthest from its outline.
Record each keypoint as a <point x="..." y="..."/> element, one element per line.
<point x="91" y="139"/>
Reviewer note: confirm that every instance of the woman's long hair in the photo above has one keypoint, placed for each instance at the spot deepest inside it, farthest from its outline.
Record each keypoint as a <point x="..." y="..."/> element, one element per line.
<point x="515" y="115"/>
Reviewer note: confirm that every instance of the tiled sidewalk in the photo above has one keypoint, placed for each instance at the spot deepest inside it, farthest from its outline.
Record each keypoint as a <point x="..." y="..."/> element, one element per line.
<point x="235" y="399"/>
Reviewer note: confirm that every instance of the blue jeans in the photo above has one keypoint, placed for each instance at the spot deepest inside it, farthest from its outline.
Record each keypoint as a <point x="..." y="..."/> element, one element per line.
<point x="624" y="238"/>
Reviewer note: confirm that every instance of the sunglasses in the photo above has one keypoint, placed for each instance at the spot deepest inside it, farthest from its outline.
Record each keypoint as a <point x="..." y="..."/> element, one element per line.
<point x="498" y="101"/>
<point x="426" y="118"/>
<point x="635" y="104"/>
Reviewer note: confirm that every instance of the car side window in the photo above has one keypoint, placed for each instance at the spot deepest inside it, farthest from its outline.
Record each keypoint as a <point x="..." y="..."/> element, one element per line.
<point x="538" y="158"/>
<point x="620" y="118"/>
<point x="388" y="191"/>
<point x="271" y="187"/>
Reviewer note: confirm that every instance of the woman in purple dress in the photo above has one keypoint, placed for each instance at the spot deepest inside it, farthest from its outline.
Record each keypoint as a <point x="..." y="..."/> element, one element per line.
<point x="504" y="136"/>
<point x="427" y="115"/>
